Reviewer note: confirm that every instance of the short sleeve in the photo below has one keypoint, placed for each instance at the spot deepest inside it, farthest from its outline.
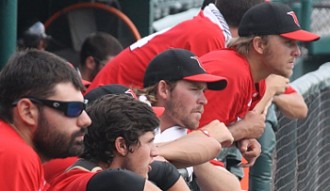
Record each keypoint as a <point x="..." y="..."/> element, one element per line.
<point x="159" y="171"/>
<point x="116" y="179"/>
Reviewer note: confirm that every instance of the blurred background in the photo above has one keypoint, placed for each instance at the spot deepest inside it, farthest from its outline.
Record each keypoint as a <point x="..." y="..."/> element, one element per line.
<point x="303" y="147"/>
<point x="68" y="22"/>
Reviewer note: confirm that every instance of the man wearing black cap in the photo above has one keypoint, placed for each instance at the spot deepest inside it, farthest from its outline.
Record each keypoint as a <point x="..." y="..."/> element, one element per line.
<point x="266" y="44"/>
<point x="175" y="79"/>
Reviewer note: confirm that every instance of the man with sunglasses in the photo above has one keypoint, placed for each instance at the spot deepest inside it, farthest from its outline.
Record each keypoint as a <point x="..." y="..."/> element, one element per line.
<point x="42" y="117"/>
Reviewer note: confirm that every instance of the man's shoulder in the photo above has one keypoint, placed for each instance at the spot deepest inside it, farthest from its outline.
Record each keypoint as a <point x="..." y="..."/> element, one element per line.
<point x="75" y="179"/>
<point x="225" y="62"/>
<point x="14" y="148"/>
<point x="20" y="164"/>
<point x="170" y="134"/>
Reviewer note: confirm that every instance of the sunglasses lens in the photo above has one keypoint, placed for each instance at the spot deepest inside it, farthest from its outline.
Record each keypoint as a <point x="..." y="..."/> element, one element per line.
<point x="74" y="109"/>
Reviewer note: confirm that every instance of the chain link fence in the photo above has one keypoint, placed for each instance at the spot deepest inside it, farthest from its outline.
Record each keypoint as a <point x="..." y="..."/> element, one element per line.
<point x="320" y="17"/>
<point x="303" y="146"/>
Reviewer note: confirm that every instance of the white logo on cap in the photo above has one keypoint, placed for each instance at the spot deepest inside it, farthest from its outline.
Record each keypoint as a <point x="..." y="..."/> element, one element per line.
<point x="294" y="17"/>
<point x="196" y="58"/>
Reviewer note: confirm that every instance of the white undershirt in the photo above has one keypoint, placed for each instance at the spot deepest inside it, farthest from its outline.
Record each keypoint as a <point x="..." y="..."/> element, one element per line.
<point x="172" y="134"/>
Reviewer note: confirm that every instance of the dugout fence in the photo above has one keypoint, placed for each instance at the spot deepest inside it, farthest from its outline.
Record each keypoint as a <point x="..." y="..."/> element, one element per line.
<point x="302" y="156"/>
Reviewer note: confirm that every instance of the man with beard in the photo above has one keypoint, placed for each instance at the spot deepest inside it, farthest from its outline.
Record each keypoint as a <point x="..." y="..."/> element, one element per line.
<point x="42" y="117"/>
<point x="175" y="80"/>
<point x="267" y="44"/>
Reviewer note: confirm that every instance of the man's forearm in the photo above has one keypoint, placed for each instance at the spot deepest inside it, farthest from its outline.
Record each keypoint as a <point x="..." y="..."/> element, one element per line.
<point x="252" y="126"/>
<point x="211" y="178"/>
<point x="291" y="105"/>
<point x="192" y="149"/>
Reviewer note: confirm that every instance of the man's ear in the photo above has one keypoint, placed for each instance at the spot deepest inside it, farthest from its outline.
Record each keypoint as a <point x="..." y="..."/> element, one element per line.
<point x="162" y="89"/>
<point x="90" y="63"/>
<point x="258" y="44"/>
<point x="121" y="147"/>
<point x="27" y="111"/>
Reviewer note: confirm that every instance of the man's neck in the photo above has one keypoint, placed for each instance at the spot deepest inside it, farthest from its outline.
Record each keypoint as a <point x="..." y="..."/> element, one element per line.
<point x="166" y="123"/>
<point x="104" y="165"/>
<point x="24" y="131"/>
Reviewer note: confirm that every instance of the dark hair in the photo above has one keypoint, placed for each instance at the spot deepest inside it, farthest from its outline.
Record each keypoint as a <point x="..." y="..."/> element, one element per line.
<point x="33" y="34"/>
<point x="33" y="73"/>
<point x="233" y="10"/>
<point x="100" y="46"/>
<point x="116" y="116"/>
<point x="206" y="3"/>
<point x="30" y="41"/>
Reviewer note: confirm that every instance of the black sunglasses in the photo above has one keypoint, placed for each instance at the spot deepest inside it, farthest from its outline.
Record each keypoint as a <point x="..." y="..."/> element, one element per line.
<point x="69" y="108"/>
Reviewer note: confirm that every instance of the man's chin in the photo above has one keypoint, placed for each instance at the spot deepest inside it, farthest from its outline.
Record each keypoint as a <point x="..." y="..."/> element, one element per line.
<point x="194" y="126"/>
<point x="76" y="150"/>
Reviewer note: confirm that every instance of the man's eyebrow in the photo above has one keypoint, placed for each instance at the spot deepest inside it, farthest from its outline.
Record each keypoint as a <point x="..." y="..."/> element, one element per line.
<point x="151" y="139"/>
<point x="199" y="85"/>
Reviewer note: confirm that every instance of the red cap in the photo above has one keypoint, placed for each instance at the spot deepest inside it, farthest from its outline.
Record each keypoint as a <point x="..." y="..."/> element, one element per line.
<point x="301" y="35"/>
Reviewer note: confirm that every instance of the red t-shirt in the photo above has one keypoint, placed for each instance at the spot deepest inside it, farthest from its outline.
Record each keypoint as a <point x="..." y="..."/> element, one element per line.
<point x="235" y="100"/>
<point x="241" y="93"/>
<point x="21" y="167"/>
<point x="55" y="167"/>
<point x="75" y="179"/>
<point x="199" y="35"/>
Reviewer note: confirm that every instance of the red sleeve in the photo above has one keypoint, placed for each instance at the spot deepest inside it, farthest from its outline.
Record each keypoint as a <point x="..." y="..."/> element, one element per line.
<point x="21" y="167"/>
<point x="75" y="179"/>
<point x="21" y="171"/>
<point x="55" y="167"/>
<point x="206" y="36"/>
<point x="260" y="92"/>
<point x="233" y="102"/>
<point x="261" y="87"/>
<point x="290" y="90"/>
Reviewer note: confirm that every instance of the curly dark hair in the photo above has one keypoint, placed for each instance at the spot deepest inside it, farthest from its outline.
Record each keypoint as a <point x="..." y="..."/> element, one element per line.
<point x="116" y="116"/>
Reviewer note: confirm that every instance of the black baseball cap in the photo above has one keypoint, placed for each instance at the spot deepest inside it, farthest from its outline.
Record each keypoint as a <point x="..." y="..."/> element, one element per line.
<point x="116" y="89"/>
<point x="272" y="18"/>
<point x="108" y="89"/>
<point x="179" y="64"/>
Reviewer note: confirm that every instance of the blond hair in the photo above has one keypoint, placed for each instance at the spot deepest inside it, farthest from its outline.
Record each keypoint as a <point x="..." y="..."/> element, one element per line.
<point x="243" y="44"/>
